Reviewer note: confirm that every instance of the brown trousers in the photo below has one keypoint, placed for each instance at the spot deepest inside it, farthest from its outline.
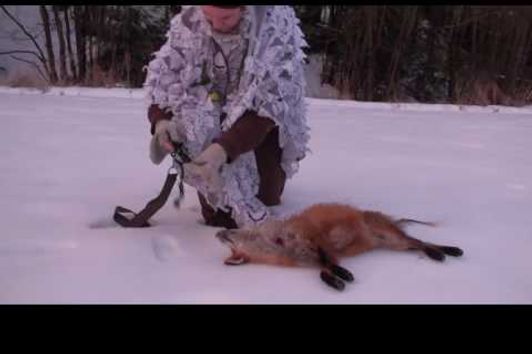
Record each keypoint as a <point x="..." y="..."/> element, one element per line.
<point x="249" y="133"/>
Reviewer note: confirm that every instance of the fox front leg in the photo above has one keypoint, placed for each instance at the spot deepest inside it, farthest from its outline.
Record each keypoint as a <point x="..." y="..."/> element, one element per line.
<point x="333" y="274"/>
<point x="331" y="280"/>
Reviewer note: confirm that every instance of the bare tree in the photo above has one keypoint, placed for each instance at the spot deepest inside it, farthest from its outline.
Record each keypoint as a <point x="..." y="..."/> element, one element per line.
<point x="39" y="54"/>
<point x="63" y="75"/>
<point x="66" y="16"/>
<point x="80" y="30"/>
<point x="48" y="42"/>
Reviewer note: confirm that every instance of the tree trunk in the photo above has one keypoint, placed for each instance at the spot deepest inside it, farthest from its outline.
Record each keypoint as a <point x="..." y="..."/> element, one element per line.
<point x="101" y="28"/>
<point x="79" y="19"/>
<point x="409" y="20"/>
<point x="49" y="46"/>
<point x="127" y="54"/>
<point x="90" y="18"/>
<point x="63" y="76"/>
<point x="69" y="43"/>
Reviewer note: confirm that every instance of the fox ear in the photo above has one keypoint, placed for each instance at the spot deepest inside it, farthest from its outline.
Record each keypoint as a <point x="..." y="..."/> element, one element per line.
<point x="236" y="260"/>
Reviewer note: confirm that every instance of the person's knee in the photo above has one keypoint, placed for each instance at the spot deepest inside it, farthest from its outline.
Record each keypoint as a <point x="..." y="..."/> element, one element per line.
<point x="270" y="200"/>
<point x="270" y="192"/>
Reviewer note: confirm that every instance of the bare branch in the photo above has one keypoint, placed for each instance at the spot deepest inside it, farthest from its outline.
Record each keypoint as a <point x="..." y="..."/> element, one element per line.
<point x="23" y="52"/>
<point x="21" y="26"/>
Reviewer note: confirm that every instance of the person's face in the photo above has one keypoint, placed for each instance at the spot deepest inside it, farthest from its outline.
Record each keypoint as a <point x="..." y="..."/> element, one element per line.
<point x="222" y="20"/>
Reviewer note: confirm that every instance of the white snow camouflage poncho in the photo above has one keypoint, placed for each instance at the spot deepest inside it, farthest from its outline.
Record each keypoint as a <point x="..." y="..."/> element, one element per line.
<point x="271" y="84"/>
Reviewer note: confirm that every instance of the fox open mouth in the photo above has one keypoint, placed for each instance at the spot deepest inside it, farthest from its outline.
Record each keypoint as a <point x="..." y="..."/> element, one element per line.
<point x="236" y="256"/>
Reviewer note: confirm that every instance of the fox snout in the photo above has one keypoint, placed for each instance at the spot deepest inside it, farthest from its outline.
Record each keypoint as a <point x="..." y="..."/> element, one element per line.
<point x="228" y="237"/>
<point x="224" y="236"/>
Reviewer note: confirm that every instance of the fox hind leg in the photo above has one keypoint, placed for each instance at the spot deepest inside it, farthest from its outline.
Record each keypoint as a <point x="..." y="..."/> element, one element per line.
<point x="436" y="252"/>
<point x="446" y="250"/>
<point x="395" y="238"/>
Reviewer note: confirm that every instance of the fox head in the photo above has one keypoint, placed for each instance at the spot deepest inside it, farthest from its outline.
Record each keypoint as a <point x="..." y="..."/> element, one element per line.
<point x="270" y="242"/>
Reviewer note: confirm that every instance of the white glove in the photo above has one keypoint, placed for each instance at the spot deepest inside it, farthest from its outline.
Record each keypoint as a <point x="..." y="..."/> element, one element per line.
<point x="203" y="172"/>
<point x="166" y="131"/>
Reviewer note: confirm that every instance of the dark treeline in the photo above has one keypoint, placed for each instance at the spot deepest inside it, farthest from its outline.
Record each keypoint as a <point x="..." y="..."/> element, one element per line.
<point x="454" y="54"/>
<point x="113" y="43"/>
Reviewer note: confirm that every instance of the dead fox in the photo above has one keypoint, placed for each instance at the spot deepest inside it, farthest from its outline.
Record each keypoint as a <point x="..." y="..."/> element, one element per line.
<point x="320" y="235"/>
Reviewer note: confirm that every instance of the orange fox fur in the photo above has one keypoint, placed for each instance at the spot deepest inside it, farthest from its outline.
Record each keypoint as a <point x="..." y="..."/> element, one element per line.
<point x="320" y="235"/>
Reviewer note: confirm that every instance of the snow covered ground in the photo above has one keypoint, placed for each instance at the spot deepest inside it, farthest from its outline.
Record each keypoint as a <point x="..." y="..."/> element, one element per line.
<point x="70" y="156"/>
